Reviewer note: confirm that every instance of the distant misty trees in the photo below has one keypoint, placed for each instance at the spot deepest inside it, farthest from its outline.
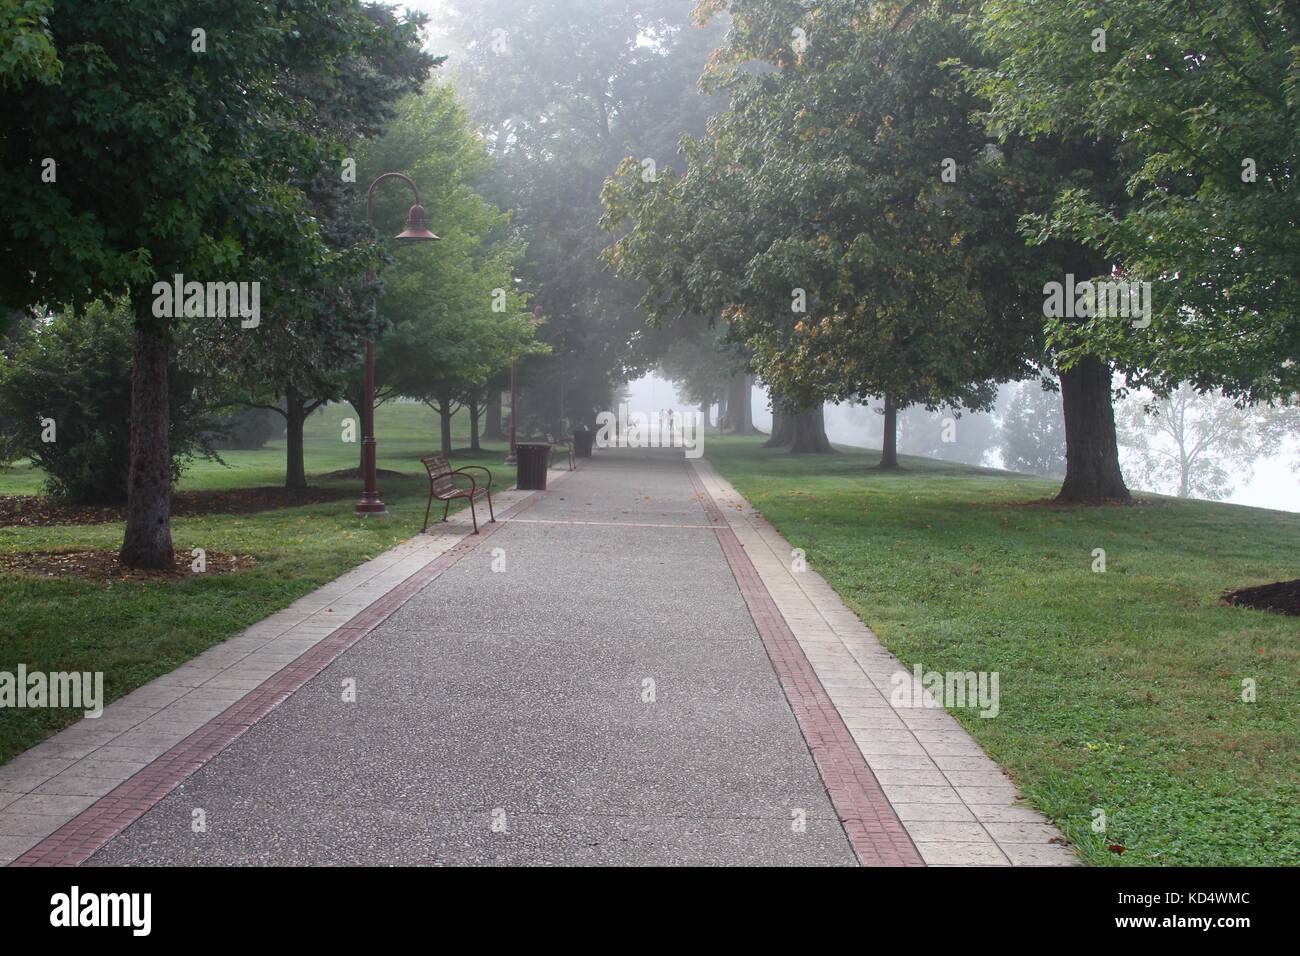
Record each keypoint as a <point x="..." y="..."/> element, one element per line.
<point x="948" y="433"/>
<point x="1032" y="432"/>
<point x="1025" y="432"/>
<point x="1199" y="444"/>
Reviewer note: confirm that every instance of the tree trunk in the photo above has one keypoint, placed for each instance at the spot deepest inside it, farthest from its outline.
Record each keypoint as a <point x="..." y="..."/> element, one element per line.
<point x="809" y="432"/>
<point x="1184" y="465"/>
<point x="705" y="410"/>
<point x="444" y="423"/>
<point x="492" y="427"/>
<point x="295" y="470"/>
<point x="740" y="416"/>
<point x="473" y="406"/>
<point x="148" y="539"/>
<point x="1092" y="473"/>
<point x="889" y="444"/>
<point x="782" y="431"/>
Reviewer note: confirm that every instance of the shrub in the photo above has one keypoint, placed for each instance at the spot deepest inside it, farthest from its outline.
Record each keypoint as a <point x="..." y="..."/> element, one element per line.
<point x="69" y="378"/>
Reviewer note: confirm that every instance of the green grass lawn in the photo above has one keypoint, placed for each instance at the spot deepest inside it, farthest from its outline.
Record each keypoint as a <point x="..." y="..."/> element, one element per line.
<point x="135" y="631"/>
<point x="1120" y="690"/>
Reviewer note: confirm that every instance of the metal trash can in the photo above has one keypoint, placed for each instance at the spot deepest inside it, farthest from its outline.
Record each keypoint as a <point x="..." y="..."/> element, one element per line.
<point x="582" y="442"/>
<point x="532" y="459"/>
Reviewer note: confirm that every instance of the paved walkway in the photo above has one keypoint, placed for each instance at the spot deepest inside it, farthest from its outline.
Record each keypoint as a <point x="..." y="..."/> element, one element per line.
<point x="624" y="670"/>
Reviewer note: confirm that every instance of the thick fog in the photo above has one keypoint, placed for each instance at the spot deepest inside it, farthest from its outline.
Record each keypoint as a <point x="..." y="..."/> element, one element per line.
<point x="1265" y="481"/>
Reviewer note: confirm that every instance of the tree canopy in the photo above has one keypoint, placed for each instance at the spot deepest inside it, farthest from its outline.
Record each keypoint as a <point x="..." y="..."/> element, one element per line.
<point x="1201" y="95"/>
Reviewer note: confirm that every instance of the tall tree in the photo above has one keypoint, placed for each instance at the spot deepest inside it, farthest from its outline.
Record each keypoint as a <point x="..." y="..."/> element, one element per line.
<point x="299" y="359"/>
<point x="1200" y="97"/>
<point x="167" y="146"/>
<point x="862" y="226"/>
<point x="814" y="215"/>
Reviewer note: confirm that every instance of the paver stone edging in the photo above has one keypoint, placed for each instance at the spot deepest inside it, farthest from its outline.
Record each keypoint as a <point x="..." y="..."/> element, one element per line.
<point x="876" y="834"/>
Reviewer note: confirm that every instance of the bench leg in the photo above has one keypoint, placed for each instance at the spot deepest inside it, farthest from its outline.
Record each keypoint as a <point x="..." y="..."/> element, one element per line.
<point x="446" y="508"/>
<point x="427" y="509"/>
<point x="491" y="513"/>
<point x="473" y="515"/>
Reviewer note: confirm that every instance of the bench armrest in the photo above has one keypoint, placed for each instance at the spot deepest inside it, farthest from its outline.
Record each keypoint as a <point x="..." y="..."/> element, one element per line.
<point x="486" y="471"/>
<point x="473" y="485"/>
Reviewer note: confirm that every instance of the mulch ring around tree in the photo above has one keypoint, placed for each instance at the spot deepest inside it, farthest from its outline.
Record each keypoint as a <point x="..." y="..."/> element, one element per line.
<point x="1283" y="597"/>
<point x="40" y="511"/>
<point x="102" y="565"/>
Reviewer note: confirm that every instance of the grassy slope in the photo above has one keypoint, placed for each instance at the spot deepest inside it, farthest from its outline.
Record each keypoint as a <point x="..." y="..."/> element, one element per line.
<point x="1119" y="690"/>
<point x="135" y="631"/>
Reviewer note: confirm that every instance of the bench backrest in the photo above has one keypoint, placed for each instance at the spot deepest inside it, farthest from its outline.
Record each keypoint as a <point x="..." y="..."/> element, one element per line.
<point x="440" y="479"/>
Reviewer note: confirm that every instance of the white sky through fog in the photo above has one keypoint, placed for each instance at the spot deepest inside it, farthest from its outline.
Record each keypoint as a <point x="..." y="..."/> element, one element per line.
<point x="433" y="8"/>
<point x="430" y="7"/>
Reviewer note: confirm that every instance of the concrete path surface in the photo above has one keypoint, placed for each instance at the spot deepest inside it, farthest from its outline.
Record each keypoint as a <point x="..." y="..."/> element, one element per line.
<point x="619" y="672"/>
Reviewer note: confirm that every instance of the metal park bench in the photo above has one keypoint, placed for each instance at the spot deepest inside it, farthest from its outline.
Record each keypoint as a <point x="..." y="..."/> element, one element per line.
<point x="443" y="487"/>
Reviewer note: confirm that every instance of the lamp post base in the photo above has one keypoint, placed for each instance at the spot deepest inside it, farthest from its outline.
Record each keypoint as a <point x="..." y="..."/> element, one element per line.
<point x="371" y="508"/>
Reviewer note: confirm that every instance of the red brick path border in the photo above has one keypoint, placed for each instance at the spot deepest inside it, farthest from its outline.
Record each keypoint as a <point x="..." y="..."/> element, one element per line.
<point x="78" y="839"/>
<point x="876" y="834"/>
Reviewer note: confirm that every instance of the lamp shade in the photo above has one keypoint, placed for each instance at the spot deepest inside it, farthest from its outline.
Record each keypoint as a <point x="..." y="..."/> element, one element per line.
<point x="417" y="225"/>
